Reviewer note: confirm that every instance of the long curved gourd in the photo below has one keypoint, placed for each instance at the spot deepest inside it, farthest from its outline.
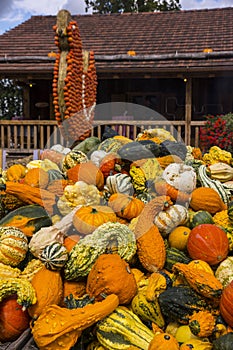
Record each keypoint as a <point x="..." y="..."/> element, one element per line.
<point x="69" y="323"/>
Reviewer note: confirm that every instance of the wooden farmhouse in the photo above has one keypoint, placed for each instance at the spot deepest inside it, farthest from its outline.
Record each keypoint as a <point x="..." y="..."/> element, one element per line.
<point x="178" y="63"/>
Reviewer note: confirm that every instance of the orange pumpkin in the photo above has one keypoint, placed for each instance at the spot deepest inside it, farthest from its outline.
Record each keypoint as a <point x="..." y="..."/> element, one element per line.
<point x="208" y="242"/>
<point x="13" y="320"/>
<point x="88" y="218"/>
<point x="125" y="206"/>
<point x="36" y="177"/>
<point x="111" y="274"/>
<point x="87" y="172"/>
<point x="226" y="304"/>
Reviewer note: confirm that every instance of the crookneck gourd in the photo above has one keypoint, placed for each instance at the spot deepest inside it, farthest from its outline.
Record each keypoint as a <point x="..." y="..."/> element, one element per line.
<point x="48" y="288"/>
<point x="202" y="282"/>
<point x="69" y="323"/>
<point x="109" y="237"/>
<point x="26" y="294"/>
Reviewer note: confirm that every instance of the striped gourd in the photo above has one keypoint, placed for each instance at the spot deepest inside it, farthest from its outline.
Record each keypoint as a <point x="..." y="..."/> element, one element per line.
<point x="110" y="145"/>
<point x="119" y="183"/>
<point x="13" y="245"/>
<point x="121" y="329"/>
<point x="206" y="181"/>
<point x="230" y="211"/>
<point x="167" y="220"/>
<point x="54" y="256"/>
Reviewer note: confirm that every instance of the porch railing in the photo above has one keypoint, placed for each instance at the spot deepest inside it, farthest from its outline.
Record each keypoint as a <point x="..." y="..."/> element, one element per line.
<point x="29" y="135"/>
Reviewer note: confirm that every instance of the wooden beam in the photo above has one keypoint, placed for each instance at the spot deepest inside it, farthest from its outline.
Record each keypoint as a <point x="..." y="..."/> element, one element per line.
<point x="188" y="110"/>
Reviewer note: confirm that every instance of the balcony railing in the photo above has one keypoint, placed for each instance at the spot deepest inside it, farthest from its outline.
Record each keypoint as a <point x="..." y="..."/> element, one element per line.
<point x="29" y="135"/>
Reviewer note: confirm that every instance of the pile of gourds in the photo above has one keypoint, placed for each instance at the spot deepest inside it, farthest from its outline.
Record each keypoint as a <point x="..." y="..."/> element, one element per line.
<point x="118" y="244"/>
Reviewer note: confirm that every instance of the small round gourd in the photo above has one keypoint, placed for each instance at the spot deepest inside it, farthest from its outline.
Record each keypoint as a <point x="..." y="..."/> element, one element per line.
<point x="178" y="237"/>
<point x="208" y="242"/>
<point x="87" y="172"/>
<point x="54" y="256"/>
<point x="200" y="217"/>
<point x="36" y="177"/>
<point x="127" y="207"/>
<point x="202" y="323"/>
<point x="163" y="341"/>
<point x="13" y="245"/>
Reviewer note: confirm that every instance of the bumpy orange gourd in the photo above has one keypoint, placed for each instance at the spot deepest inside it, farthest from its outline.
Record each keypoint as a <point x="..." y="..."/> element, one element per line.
<point x="16" y="172"/>
<point x="150" y="244"/>
<point x="111" y="274"/>
<point x="57" y="325"/>
<point x="202" y="323"/>
<point x="125" y="206"/>
<point x="76" y="288"/>
<point x="206" y="198"/>
<point x="88" y="218"/>
<point x="49" y="290"/>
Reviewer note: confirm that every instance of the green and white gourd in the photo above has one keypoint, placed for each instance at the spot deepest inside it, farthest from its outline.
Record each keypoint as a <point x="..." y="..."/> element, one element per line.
<point x="224" y="272"/>
<point x="119" y="183"/>
<point x="206" y="181"/>
<point x="54" y="256"/>
<point x="73" y="158"/>
<point x="109" y="236"/>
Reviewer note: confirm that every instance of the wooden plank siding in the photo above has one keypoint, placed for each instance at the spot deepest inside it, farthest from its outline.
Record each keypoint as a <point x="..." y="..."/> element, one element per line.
<point x="27" y="136"/>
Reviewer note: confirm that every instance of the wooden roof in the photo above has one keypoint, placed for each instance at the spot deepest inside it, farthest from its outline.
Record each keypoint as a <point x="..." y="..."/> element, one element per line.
<point x="172" y="41"/>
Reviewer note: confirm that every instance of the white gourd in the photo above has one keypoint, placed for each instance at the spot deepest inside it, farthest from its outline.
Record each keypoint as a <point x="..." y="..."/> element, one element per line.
<point x="181" y="176"/>
<point x="167" y="220"/>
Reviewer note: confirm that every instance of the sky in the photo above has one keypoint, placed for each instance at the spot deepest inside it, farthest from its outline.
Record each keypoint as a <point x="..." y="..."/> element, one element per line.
<point x="14" y="12"/>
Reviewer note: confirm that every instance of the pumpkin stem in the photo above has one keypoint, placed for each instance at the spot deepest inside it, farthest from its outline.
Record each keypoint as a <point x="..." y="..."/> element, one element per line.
<point x="94" y="211"/>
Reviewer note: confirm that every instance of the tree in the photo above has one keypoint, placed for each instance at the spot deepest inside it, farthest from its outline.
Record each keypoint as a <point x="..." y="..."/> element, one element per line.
<point x="116" y="6"/>
<point x="10" y="99"/>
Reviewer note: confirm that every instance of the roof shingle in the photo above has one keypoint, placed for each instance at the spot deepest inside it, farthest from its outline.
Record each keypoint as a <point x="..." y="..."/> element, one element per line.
<point x="158" y="33"/>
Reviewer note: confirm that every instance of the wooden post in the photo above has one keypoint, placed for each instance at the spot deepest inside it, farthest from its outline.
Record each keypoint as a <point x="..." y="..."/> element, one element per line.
<point x="188" y="110"/>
